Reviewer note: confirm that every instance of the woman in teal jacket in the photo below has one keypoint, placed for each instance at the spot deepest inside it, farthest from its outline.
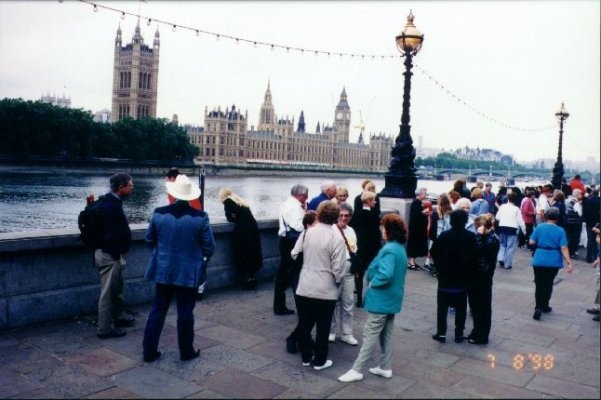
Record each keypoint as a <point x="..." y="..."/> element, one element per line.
<point x="384" y="298"/>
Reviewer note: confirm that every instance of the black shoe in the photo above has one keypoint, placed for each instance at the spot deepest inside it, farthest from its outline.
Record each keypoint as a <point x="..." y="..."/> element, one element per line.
<point x="439" y="338"/>
<point x="459" y="339"/>
<point x="114" y="333"/>
<point x="250" y="284"/>
<point x="537" y="314"/>
<point x="546" y="309"/>
<point x="596" y="318"/>
<point x="191" y="356"/>
<point x="285" y="311"/>
<point x="592" y="311"/>
<point x="502" y="263"/>
<point x="124" y="322"/>
<point x="292" y="344"/>
<point x="152" y="357"/>
<point x="199" y="296"/>
<point x="474" y="341"/>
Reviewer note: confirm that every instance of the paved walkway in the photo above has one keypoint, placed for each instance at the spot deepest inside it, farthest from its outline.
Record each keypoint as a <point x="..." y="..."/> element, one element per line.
<point x="243" y="355"/>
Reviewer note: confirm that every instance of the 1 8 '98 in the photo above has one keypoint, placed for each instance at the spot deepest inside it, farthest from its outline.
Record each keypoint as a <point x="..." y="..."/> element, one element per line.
<point x="519" y="361"/>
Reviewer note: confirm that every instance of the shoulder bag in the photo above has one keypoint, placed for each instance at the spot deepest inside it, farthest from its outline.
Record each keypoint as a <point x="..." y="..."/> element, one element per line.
<point x="356" y="264"/>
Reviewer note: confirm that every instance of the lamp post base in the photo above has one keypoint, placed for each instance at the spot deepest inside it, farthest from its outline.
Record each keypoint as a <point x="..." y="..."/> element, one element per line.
<point x="400" y="186"/>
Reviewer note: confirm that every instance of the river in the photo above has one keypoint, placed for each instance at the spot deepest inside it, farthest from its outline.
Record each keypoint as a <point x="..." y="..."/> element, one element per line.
<point x="39" y="201"/>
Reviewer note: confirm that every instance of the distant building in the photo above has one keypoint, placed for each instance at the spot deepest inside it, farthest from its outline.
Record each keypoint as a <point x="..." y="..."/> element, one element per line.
<point x="57" y="101"/>
<point x="103" y="115"/>
<point x="135" y="77"/>
<point x="468" y="153"/>
<point x="227" y="139"/>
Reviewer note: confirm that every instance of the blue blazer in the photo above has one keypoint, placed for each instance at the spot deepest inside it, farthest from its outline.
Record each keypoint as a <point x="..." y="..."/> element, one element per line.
<point x="386" y="278"/>
<point x="180" y="237"/>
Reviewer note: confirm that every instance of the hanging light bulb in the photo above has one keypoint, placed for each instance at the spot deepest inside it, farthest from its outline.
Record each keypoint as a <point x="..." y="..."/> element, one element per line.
<point x="287" y="49"/>
<point x="272" y="47"/>
<point x="316" y="53"/>
<point x="174" y="27"/>
<point x="149" y="21"/>
<point x="122" y="15"/>
<point x="237" y="41"/>
<point x="217" y="37"/>
<point x="95" y="8"/>
<point x="255" y="44"/>
<point x="197" y="33"/>
<point x="60" y="1"/>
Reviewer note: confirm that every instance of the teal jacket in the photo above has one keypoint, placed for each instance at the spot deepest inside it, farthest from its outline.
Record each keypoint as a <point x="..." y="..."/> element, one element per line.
<point x="386" y="280"/>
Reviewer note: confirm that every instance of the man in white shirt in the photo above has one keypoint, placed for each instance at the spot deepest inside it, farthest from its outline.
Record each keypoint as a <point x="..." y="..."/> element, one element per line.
<point x="543" y="203"/>
<point x="291" y="225"/>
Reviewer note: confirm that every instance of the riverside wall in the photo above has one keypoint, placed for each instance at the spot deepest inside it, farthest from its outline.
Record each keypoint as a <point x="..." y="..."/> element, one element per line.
<point x="50" y="275"/>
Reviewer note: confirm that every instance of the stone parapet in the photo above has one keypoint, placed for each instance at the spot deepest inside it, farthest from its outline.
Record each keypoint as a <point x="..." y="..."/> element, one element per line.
<point x="49" y="275"/>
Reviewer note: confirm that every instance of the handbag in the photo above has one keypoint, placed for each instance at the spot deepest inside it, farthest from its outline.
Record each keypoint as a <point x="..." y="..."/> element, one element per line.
<point x="356" y="263"/>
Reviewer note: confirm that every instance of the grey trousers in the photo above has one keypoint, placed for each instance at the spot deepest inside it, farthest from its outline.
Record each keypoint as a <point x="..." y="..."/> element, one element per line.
<point x="110" y="303"/>
<point x="343" y="313"/>
<point x="597" y="298"/>
<point x="377" y="326"/>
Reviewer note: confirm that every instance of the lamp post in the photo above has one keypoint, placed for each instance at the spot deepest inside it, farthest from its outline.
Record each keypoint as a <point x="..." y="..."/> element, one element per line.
<point x="401" y="179"/>
<point x="561" y="115"/>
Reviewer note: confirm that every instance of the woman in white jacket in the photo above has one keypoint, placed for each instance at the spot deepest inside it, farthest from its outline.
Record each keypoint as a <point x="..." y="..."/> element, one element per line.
<point x="324" y="254"/>
<point x="510" y="219"/>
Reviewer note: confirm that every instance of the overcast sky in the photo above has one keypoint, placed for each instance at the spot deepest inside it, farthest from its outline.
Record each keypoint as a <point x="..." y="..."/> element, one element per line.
<point x="513" y="61"/>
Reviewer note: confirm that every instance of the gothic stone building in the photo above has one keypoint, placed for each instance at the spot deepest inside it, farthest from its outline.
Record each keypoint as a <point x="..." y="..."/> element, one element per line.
<point x="135" y="77"/>
<point x="226" y="139"/>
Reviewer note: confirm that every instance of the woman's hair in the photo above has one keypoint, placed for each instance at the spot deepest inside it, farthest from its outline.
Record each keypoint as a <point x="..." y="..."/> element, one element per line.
<point x="552" y="213"/>
<point x="511" y="197"/>
<point x="367" y="195"/>
<point x="341" y="191"/>
<point x="396" y="230"/>
<point x="502" y="190"/>
<point x="328" y="212"/>
<point x="463" y="201"/>
<point x="309" y="218"/>
<point x="559" y="196"/>
<point x="454" y="195"/>
<point x="226" y="193"/>
<point x="486" y="220"/>
<point x="444" y="205"/>
<point x="476" y="193"/>
<point x="370" y="187"/>
<point x="347" y="207"/>
<point x="365" y="182"/>
<point x="459" y="183"/>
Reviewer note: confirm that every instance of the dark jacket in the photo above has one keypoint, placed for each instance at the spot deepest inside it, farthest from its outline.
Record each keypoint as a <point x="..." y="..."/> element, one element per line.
<point x="115" y="235"/>
<point x="454" y="255"/>
<point x="359" y="205"/>
<point x="180" y="238"/>
<point x="316" y="201"/>
<point x="591" y="210"/>
<point x="367" y="227"/>
<point x="487" y="248"/>
<point x="417" y="242"/>
<point x="246" y="240"/>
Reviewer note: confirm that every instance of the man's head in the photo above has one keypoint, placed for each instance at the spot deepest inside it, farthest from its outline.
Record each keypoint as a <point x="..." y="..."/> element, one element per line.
<point x="329" y="188"/>
<point x="421" y="193"/>
<point x="458" y="219"/>
<point x="121" y="184"/>
<point x="548" y="190"/>
<point x="172" y="174"/>
<point x="300" y="192"/>
<point x="488" y="187"/>
<point x="480" y="185"/>
<point x="577" y="194"/>
<point x="576" y="176"/>
<point x="368" y="198"/>
<point x="183" y="188"/>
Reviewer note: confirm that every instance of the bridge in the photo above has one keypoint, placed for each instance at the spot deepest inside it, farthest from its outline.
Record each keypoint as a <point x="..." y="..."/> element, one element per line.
<point x="473" y="175"/>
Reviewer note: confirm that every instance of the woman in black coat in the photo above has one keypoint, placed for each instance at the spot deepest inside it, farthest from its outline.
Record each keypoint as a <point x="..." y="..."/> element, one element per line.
<point x="479" y="291"/>
<point x="366" y="224"/>
<point x="417" y="244"/>
<point x="246" y="240"/>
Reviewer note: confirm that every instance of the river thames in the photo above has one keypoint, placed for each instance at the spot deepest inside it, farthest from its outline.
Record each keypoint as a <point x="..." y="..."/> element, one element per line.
<point x="39" y="201"/>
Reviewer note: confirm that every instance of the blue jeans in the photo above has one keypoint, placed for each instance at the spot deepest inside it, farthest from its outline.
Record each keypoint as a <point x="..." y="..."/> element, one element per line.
<point x="507" y="249"/>
<point x="185" y="297"/>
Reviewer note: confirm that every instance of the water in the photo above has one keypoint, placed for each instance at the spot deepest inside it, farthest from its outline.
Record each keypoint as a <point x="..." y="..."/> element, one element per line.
<point x="34" y="201"/>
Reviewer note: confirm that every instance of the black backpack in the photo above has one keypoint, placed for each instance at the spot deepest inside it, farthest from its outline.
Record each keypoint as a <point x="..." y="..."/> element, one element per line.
<point x="89" y="223"/>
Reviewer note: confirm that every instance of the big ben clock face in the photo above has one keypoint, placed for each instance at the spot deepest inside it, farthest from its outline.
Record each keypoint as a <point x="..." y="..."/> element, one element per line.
<point x="339" y="115"/>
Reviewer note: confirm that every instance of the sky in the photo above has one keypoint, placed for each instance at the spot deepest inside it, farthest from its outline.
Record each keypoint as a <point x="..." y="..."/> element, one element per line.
<point x="513" y="61"/>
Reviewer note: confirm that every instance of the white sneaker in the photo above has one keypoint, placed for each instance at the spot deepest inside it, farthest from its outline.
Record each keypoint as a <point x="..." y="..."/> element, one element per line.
<point x="385" y="373"/>
<point x="351" y="376"/>
<point x="306" y="364"/>
<point x="332" y="337"/>
<point x="349" y="339"/>
<point x="325" y="365"/>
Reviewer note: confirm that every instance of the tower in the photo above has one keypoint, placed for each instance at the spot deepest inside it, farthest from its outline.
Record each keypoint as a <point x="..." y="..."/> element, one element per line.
<point x="301" y="123"/>
<point x="342" y="119"/>
<point x="135" y="77"/>
<point x="267" y="116"/>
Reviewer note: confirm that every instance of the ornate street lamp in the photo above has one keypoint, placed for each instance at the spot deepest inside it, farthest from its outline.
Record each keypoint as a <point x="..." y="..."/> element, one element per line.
<point x="401" y="179"/>
<point x="561" y="115"/>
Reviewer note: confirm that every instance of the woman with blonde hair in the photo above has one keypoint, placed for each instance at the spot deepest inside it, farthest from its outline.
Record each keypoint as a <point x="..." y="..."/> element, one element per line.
<point x="341" y="195"/>
<point x="246" y="240"/>
<point x="367" y="186"/>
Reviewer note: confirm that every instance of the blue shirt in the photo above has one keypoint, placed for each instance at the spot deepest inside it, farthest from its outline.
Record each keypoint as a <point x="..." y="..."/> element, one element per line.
<point x="316" y="201"/>
<point x="549" y="239"/>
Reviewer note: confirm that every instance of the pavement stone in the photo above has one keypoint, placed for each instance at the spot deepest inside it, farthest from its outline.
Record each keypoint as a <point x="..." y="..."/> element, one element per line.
<point x="243" y="346"/>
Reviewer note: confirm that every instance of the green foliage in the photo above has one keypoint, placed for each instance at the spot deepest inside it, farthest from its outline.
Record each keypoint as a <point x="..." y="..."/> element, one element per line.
<point x="35" y="128"/>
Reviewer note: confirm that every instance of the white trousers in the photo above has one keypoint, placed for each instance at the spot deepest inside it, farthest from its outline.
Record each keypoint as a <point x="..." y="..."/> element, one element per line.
<point x="343" y="313"/>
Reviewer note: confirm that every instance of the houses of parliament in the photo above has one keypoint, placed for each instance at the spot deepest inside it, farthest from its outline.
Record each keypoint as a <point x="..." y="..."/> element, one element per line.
<point x="225" y="137"/>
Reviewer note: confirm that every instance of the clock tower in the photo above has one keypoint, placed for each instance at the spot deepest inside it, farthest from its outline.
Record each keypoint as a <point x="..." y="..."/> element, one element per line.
<point x="342" y="119"/>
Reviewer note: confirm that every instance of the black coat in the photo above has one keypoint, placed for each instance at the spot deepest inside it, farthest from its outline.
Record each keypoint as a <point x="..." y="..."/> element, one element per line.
<point x="115" y="235"/>
<point x="590" y="210"/>
<point x="417" y="242"/>
<point x="454" y="255"/>
<point x="246" y="240"/>
<point x="487" y="248"/>
<point x="359" y="205"/>
<point x="367" y="227"/>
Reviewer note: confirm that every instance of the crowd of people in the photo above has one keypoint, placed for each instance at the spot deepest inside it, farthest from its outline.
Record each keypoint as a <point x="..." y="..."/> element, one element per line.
<point x="330" y="250"/>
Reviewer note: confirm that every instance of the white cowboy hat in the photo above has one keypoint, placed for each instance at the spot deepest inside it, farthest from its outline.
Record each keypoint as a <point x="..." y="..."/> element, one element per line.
<point x="183" y="188"/>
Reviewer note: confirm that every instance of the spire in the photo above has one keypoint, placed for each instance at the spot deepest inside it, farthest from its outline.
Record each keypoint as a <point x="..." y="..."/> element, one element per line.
<point x="301" y="123"/>
<point x="118" y="37"/>
<point x="268" y="93"/>
<point x="318" y="128"/>
<point x="157" y="35"/>
<point x="343" y="100"/>
<point x="137" y="36"/>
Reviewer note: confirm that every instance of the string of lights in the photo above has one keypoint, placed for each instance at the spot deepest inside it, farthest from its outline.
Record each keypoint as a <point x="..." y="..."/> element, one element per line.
<point x="300" y="50"/>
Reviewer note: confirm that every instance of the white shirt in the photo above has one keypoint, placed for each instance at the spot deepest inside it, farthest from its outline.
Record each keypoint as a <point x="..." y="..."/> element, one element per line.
<point x="511" y="216"/>
<point x="351" y="238"/>
<point x="292" y="212"/>
<point x="577" y="205"/>
<point x="543" y="203"/>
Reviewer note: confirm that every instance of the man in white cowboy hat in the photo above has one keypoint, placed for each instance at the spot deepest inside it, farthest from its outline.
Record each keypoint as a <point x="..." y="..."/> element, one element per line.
<point x="181" y="240"/>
